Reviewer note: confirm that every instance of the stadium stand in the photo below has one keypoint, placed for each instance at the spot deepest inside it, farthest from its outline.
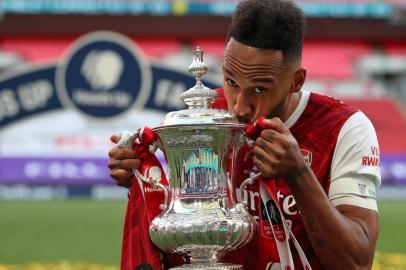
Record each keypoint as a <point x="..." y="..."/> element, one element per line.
<point x="355" y="49"/>
<point x="389" y="121"/>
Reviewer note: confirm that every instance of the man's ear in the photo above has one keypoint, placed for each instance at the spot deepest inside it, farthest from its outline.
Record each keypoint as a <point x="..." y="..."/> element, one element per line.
<point x="298" y="80"/>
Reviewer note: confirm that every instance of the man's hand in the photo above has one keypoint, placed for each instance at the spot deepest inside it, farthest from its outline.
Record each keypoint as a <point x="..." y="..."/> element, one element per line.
<point x="122" y="161"/>
<point x="277" y="153"/>
<point x="351" y="244"/>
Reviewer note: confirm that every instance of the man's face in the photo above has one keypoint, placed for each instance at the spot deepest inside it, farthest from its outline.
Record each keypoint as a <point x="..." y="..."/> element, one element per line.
<point x="256" y="82"/>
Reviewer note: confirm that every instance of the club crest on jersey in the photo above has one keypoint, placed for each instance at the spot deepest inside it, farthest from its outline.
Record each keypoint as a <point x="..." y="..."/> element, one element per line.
<point x="308" y="156"/>
<point x="270" y="216"/>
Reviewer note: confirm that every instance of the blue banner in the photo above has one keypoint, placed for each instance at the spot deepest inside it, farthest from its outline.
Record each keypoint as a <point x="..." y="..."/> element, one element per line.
<point x="103" y="76"/>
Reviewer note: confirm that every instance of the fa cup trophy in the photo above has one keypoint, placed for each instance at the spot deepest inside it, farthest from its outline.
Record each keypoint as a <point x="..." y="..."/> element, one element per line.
<point x="199" y="218"/>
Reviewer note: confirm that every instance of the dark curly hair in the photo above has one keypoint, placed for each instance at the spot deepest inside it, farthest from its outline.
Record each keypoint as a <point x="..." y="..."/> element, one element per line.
<point x="269" y="24"/>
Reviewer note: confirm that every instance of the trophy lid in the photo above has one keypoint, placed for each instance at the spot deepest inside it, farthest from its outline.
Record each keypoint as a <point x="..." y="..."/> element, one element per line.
<point x="199" y="100"/>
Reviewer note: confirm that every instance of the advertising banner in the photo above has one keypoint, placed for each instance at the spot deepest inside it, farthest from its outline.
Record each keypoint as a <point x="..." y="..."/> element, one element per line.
<point x="56" y="119"/>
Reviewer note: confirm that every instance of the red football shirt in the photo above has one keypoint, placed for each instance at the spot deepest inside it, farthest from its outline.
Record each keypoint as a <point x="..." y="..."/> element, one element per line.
<point x="316" y="131"/>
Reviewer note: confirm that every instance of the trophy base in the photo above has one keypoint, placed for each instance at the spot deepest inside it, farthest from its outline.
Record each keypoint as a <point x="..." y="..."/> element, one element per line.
<point x="214" y="266"/>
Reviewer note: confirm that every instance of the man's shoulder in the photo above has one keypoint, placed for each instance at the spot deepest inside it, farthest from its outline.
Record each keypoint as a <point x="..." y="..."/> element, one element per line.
<point x="324" y="109"/>
<point x="328" y="103"/>
<point x="323" y="118"/>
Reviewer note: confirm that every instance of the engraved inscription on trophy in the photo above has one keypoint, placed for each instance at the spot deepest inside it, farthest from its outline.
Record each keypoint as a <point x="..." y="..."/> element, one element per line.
<point x="190" y="141"/>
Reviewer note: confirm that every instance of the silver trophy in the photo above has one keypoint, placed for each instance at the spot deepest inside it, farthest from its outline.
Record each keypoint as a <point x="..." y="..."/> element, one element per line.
<point x="200" y="219"/>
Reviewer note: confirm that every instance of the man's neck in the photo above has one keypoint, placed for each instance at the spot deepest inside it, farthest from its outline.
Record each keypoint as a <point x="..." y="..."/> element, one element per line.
<point x="292" y="101"/>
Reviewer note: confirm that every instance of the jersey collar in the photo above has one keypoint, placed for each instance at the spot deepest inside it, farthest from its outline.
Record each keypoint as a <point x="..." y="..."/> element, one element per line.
<point x="304" y="99"/>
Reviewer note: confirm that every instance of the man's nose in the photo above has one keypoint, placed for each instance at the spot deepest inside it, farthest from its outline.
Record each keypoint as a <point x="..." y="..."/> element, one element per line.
<point x="243" y="107"/>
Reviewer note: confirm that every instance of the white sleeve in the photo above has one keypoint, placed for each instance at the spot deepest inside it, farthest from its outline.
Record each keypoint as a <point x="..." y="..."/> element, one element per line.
<point x="355" y="171"/>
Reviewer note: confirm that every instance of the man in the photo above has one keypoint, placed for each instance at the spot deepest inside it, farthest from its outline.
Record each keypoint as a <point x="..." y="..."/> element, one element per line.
<point x="310" y="154"/>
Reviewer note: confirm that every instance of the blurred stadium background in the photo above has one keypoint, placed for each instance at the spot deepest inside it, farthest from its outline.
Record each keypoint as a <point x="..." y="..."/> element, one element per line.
<point x="58" y="207"/>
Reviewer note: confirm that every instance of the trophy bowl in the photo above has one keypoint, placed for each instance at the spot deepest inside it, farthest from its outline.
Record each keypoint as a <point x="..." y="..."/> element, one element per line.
<point x="199" y="219"/>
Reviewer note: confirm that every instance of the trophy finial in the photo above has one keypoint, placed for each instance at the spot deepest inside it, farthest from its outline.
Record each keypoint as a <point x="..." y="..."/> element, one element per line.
<point x="198" y="96"/>
<point x="198" y="67"/>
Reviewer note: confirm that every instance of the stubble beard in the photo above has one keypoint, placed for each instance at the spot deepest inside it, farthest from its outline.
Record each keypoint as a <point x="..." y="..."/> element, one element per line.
<point x="277" y="112"/>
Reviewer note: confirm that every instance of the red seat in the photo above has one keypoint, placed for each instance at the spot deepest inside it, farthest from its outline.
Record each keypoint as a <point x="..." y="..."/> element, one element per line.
<point x="389" y="122"/>
<point x="332" y="59"/>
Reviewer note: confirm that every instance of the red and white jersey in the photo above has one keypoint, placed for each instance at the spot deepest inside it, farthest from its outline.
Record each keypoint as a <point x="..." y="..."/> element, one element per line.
<point x="340" y="145"/>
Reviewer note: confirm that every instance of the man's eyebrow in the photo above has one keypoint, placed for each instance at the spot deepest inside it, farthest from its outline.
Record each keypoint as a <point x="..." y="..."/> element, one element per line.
<point x="257" y="79"/>
<point x="228" y="71"/>
<point x="266" y="79"/>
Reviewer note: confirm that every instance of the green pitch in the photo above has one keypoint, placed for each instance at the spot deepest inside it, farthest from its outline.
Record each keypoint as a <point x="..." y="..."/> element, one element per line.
<point x="392" y="236"/>
<point x="90" y="231"/>
<point x="55" y="231"/>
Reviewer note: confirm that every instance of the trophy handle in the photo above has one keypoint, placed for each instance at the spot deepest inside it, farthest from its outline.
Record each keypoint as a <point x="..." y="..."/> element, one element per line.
<point x="251" y="133"/>
<point x="127" y="140"/>
<point x="249" y="181"/>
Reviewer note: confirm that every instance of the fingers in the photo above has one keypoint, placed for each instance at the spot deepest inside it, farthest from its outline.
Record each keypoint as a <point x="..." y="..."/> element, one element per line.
<point x="268" y="160"/>
<point x="266" y="146"/>
<point x="273" y="149"/>
<point x="265" y="169"/>
<point x="122" y="162"/>
<point x="271" y="136"/>
<point x="122" y="153"/>
<point x="266" y="154"/>
<point x="269" y="144"/>
<point x="122" y="177"/>
<point x="125" y="164"/>
<point x="122" y="170"/>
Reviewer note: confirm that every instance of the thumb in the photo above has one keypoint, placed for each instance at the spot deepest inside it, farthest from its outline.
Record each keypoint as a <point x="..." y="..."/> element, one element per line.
<point x="277" y="125"/>
<point x="115" y="138"/>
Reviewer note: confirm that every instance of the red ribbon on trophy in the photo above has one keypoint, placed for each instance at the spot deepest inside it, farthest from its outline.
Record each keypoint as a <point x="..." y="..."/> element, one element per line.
<point x="280" y="229"/>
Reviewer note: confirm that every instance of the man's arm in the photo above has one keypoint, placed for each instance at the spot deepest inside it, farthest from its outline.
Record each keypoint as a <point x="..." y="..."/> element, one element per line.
<point x="343" y="237"/>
